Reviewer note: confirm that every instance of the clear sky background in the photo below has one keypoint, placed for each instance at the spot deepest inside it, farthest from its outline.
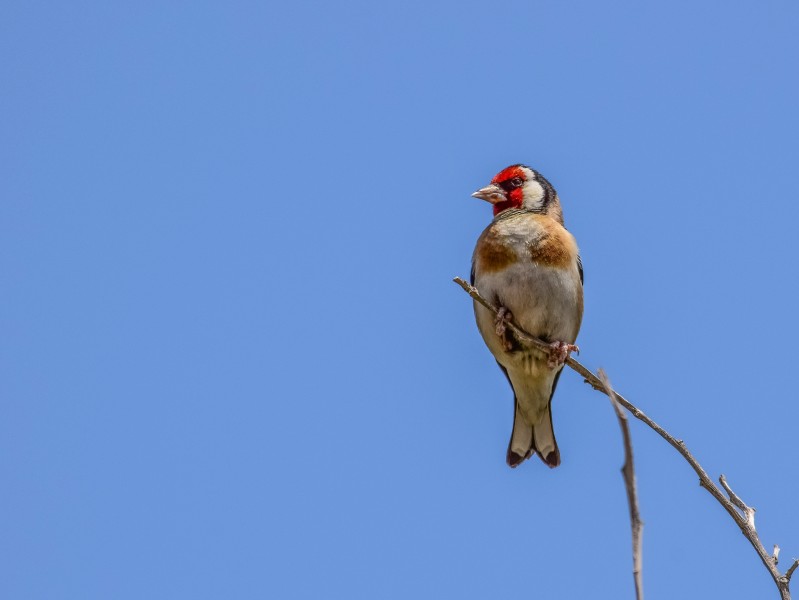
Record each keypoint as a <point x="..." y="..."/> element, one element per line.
<point x="233" y="362"/>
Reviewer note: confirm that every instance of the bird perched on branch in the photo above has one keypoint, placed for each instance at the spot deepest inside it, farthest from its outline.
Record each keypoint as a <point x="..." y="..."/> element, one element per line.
<point x="528" y="265"/>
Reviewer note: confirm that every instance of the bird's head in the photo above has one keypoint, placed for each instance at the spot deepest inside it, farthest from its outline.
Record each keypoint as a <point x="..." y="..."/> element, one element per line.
<point x="519" y="186"/>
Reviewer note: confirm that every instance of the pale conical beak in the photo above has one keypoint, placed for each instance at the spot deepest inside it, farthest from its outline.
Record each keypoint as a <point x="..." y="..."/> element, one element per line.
<point x="491" y="193"/>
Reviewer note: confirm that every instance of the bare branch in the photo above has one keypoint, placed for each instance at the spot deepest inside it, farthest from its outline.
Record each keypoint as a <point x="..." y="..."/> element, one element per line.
<point x="748" y="511"/>
<point x="628" y="472"/>
<point x="744" y="522"/>
<point x="790" y="571"/>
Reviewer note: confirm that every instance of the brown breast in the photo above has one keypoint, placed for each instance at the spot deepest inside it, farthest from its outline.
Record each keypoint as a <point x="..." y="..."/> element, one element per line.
<point x="555" y="247"/>
<point x="550" y="244"/>
<point x="492" y="253"/>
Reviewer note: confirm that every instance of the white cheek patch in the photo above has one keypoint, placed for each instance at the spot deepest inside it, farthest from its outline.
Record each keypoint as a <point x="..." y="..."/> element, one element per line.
<point x="533" y="195"/>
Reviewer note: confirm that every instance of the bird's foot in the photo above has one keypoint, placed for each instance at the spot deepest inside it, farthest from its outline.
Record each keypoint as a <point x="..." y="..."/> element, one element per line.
<point x="559" y="352"/>
<point x="501" y="320"/>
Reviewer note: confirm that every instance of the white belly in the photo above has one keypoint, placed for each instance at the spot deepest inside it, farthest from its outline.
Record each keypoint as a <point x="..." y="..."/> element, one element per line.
<point x="545" y="302"/>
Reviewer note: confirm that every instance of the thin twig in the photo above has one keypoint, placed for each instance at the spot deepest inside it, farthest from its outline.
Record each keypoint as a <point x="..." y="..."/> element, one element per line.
<point x="628" y="472"/>
<point x="748" y="511"/>
<point x="790" y="571"/>
<point x="781" y="581"/>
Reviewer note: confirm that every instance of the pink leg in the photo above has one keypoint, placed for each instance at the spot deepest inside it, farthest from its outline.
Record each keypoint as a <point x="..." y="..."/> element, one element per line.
<point x="500" y="321"/>
<point x="559" y="352"/>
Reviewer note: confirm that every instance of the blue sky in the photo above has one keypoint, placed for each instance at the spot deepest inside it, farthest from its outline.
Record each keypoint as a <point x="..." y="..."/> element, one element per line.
<point x="233" y="364"/>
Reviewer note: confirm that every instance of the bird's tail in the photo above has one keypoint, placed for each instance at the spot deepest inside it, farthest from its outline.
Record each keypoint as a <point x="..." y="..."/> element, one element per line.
<point x="544" y="440"/>
<point x="526" y="439"/>
<point x="521" y="444"/>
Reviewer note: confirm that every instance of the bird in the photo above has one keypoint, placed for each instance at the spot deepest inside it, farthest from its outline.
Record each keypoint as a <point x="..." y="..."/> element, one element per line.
<point x="528" y="265"/>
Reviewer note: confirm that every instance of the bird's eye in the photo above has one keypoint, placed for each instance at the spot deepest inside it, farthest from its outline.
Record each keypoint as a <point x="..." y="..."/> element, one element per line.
<point x="511" y="184"/>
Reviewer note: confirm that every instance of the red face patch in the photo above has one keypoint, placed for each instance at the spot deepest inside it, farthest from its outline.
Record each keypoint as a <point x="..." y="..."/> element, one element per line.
<point x="516" y="195"/>
<point x="509" y="173"/>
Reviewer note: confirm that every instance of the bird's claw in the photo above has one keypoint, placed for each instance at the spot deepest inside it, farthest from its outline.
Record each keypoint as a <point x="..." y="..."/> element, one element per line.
<point x="559" y="352"/>
<point x="501" y="320"/>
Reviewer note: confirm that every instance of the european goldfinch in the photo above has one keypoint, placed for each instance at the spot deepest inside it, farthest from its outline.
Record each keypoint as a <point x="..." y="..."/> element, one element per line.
<point x="528" y="265"/>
